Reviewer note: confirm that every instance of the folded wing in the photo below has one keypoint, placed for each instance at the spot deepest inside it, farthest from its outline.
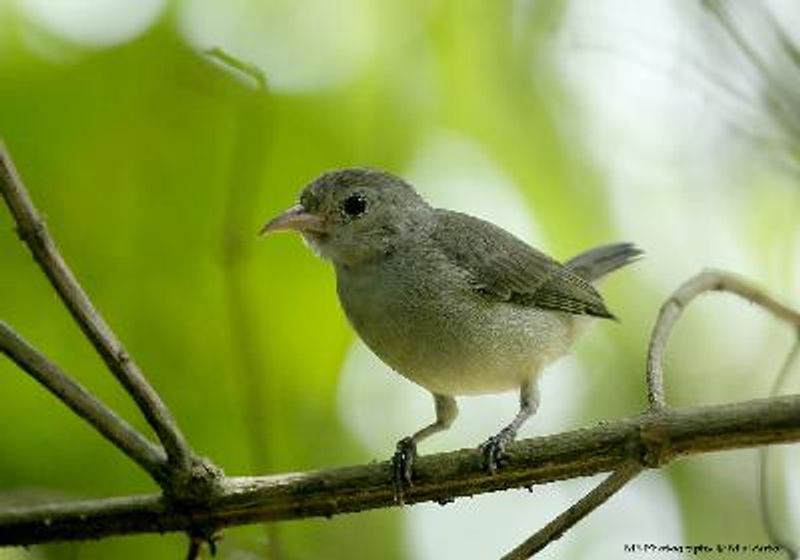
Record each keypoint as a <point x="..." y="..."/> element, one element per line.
<point x="504" y="268"/>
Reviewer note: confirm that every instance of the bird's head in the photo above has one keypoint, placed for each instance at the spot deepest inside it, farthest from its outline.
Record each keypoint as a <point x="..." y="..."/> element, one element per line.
<point x="353" y="216"/>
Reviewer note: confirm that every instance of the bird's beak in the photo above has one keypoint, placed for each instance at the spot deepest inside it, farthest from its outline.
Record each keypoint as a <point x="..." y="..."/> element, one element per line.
<point x="295" y="218"/>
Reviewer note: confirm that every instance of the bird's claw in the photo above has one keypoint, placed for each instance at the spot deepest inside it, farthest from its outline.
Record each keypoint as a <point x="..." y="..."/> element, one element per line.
<point x="494" y="451"/>
<point x="402" y="467"/>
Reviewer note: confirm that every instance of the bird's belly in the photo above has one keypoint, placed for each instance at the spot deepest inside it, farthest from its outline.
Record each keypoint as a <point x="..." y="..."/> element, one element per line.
<point x="492" y="355"/>
<point x="466" y="348"/>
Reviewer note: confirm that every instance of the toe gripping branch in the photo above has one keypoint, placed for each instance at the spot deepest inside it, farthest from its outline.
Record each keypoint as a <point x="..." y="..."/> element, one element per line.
<point x="402" y="467"/>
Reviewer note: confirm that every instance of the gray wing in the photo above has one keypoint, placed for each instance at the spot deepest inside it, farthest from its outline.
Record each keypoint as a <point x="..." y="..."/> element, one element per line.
<point x="504" y="268"/>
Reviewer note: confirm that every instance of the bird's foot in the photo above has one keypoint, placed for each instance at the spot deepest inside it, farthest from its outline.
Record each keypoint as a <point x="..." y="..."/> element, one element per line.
<point x="402" y="467"/>
<point x="494" y="450"/>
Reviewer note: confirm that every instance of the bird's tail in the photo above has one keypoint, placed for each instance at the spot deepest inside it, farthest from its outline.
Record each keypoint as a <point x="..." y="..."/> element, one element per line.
<point x="596" y="263"/>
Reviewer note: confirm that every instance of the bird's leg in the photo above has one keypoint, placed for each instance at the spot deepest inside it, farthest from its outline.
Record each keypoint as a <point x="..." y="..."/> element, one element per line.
<point x="403" y="459"/>
<point x="494" y="448"/>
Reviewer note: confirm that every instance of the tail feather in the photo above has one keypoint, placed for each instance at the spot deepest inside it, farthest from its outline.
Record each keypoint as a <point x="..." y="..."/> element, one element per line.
<point x="596" y="263"/>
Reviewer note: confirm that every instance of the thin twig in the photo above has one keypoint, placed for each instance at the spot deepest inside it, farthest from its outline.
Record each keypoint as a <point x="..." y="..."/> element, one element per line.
<point x="770" y="524"/>
<point x="672" y="309"/>
<point x="150" y="457"/>
<point x="235" y="63"/>
<point x="244" y="183"/>
<point x="32" y="230"/>
<point x="242" y="188"/>
<point x="667" y="435"/>
<point x="583" y="507"/>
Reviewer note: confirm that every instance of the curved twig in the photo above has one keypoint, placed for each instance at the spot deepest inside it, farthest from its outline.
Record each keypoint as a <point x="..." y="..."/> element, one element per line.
<point x="709" y="280"/>
<point x="32" y="230"/>
<point x="248" y="69"/>
<point x="658" y="442"/>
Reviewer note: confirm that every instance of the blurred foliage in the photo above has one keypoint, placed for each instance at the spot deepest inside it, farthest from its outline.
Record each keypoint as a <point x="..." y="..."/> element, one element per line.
<point x="155" y="167"/>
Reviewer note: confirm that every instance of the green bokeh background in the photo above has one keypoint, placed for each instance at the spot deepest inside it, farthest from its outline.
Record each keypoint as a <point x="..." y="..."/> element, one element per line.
<point x="155" y="167"/>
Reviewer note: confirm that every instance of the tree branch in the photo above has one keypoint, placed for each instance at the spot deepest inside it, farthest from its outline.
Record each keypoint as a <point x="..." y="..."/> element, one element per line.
<point x="150" y="457"/>
<point x="651" y="440"/>
<point x="583" y="507"/>
<point x="672" y="309"/>
<point x="32" y="230"/>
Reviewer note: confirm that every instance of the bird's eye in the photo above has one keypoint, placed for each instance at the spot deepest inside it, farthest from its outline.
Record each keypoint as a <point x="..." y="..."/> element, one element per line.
<point x="354" y="205"/>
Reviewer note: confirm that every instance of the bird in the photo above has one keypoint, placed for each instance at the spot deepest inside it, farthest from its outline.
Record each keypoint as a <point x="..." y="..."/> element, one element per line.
<point x="449" y="301"/>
